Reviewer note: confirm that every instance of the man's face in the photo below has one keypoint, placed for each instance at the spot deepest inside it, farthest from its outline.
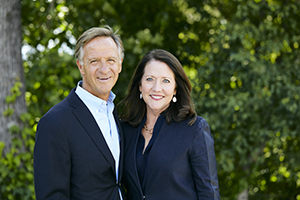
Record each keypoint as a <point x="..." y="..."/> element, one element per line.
<point x="100" y="67"/>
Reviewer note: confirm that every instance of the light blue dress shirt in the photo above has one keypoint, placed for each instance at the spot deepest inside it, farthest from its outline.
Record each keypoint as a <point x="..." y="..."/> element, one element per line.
<point x="102" y="112"/>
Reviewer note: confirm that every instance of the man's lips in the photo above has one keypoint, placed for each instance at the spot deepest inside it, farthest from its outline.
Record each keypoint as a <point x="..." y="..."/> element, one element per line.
<point x="103" y="78"/>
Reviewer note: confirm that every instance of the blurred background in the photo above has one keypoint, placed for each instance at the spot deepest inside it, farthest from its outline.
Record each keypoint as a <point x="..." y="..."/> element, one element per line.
<point x="241" y="56"/>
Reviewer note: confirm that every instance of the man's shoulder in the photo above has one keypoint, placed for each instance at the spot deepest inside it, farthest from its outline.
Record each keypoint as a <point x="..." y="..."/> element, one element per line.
<point x="63" y="107"/>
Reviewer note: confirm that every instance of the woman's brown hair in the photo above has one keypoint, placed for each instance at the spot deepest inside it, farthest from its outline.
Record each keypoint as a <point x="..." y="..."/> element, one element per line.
<point x="134" y="108"/>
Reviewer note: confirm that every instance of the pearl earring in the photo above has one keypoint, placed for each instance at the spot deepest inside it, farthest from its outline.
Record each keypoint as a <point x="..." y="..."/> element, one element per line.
<point x="141" y="96"/>
<point x="174" y="99"/>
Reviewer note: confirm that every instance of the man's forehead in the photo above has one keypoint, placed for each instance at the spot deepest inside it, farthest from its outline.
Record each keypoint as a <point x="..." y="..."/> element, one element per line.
<point x="102" y="40"/>
<point x="106" y="47"/>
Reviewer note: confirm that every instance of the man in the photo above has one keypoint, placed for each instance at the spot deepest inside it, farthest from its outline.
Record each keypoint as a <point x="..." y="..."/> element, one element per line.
<point x="78" y="151"/>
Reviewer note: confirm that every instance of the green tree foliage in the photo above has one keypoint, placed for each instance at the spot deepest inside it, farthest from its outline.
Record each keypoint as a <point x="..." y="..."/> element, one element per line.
<point x="242" y="57"/>
<point x="16" y="169"/>
<point x="251" y="96"/>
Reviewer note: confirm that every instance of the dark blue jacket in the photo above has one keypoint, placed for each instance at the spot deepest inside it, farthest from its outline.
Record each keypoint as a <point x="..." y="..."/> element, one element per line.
<point x="71" y="157"/>
<point x="181" y="164"/>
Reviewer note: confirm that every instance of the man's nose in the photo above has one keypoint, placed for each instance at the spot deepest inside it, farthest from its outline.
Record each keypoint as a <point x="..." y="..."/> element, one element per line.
<point x="103" y="66"/>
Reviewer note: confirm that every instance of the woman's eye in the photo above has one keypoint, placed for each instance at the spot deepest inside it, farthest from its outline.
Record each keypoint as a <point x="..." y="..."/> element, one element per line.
<point x="166" y="81"/>
<point x="149" y="79"/>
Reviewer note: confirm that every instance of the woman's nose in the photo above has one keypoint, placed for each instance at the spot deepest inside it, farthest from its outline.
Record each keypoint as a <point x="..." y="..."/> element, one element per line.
<point x="157" y="86"/>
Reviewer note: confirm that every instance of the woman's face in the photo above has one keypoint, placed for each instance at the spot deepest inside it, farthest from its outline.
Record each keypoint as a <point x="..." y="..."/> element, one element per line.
<point x="157" y="86"/>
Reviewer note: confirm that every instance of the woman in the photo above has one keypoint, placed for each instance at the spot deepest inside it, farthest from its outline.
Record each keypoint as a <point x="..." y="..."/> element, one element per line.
<point x="169" y="152"/>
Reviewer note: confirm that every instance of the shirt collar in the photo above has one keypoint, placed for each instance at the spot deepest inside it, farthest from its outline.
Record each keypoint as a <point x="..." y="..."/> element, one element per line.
<point x="90" y="100"/>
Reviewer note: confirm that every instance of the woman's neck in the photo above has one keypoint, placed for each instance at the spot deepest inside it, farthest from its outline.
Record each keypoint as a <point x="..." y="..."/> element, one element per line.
<point x="151" y="119"/>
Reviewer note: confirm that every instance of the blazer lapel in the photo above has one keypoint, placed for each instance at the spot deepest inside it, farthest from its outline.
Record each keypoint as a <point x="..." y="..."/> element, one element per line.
<point x="138" y="132"/>
<point x="121" y="160"/>
<point x="87" y="120"/>
<point x="164" y="130"/>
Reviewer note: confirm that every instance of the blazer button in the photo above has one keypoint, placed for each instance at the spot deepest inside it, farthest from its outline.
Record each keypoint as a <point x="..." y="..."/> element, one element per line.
<point x="118" y="183"/>
<point x="144" y="197"/>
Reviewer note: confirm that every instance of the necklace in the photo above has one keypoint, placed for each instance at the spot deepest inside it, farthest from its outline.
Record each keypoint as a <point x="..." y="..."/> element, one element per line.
<point x="149" y="130"/>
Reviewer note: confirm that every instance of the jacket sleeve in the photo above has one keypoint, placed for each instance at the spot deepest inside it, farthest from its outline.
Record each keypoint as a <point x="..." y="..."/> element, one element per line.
<point x="52" y="164"/>
<point x="203" y="163"/>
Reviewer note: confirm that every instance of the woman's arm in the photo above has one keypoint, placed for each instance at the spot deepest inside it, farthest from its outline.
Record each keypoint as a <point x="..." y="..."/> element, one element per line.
<point x="203" y="163"/>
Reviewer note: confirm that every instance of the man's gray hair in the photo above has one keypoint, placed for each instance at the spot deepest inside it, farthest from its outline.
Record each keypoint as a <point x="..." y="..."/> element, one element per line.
<point x="97" y="32"/>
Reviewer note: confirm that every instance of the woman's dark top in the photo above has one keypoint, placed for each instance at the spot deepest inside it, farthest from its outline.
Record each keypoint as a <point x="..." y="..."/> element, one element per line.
<point x="142" y="159"/>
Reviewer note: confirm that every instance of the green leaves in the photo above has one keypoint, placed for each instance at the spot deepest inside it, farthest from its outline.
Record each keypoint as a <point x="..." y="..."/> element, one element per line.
<point x="2" y="145"/>
<point x="15" y="92"/>
<point x="8" y="112"/>
<point x="16" y="169"/>
<point x="254" y="78"/>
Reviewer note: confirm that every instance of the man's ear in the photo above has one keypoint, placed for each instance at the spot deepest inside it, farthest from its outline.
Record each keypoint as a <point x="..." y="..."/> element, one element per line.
<point x="120" y="69"/>
<point x="80" y="67"/>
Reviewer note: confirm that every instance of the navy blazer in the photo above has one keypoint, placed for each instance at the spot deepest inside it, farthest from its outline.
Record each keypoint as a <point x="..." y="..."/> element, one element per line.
<point x="181" y="164"/>
<point x="71" y="157"/>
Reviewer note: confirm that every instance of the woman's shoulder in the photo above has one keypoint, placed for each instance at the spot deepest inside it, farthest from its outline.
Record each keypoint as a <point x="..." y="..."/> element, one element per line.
<point x="200" y="125"/>
<point x="197" y="122"/>
<point x="200" y="120"/>
<point x="203" y="130"/>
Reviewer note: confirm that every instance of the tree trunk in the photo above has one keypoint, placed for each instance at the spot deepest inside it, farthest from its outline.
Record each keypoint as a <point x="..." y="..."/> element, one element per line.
<point x="11" y="67"/>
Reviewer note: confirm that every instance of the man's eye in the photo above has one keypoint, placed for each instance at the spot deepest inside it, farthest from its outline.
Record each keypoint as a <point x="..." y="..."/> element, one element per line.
<point x="111" y="61"/>
<point x="93" y="61"/>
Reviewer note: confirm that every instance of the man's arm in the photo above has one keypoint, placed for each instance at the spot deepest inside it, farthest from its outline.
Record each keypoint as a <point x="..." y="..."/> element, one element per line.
<point x="52" y="162"/>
